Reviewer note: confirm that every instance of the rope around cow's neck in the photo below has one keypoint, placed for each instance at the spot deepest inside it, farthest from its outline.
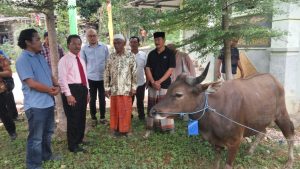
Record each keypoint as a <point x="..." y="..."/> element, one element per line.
<point x="206" y="106"/>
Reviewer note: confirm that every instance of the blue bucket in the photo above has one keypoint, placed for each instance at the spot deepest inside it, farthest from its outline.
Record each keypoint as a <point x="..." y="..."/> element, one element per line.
<point x="193" y="129"/>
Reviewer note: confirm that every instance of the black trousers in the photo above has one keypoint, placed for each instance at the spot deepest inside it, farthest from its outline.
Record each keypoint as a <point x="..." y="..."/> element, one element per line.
<point x="8" y="122"/>
<point x="97" y="87"/>
<point x="140" y="94"/>
<point x="11" y="105"/>
<point x="76" y="115"/>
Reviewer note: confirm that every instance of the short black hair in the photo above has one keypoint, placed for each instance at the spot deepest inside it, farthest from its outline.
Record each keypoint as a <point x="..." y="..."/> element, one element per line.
<point x="26" y="34"/>
<point x="159" y="34"/>
<point x="72" y="37"/>
<point x="135" y="37"/>
<point x="45" y="35"/>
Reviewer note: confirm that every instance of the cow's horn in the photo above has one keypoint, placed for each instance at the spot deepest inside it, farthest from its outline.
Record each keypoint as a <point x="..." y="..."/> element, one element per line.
<point x="200" y="78"/>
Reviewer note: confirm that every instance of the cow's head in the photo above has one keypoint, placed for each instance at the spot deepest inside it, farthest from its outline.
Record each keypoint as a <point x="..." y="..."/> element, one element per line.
<point x="183" y="96"/>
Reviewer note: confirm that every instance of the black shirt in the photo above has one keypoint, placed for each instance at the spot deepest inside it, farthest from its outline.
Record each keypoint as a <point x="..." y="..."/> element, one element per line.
<point x="235" y="57"/>
<point x="160" y="63"/>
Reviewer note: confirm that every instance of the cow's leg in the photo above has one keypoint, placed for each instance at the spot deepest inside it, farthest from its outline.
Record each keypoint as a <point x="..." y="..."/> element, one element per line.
<point x="287" y="128"/>
<point x="218" y="153"/>
<point x="231" y="154"/>
<point x="258" y="139"/>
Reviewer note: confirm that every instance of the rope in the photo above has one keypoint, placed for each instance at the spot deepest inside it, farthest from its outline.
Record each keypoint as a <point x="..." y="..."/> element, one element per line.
<point x="206" y="106"/>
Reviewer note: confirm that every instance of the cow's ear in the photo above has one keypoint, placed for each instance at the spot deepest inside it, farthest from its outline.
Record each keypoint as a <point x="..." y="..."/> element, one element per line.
<point x="212" y="87"/>
<point x="205" y="86"/>
<point x="197" y="89"/>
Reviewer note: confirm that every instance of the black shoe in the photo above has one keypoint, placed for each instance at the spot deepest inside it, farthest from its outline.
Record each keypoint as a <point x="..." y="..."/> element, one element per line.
<point x="13" y="136"/>
<point x="103" y="121"/>
<point x="85" y="143"/>
<point x="78" y="149"/>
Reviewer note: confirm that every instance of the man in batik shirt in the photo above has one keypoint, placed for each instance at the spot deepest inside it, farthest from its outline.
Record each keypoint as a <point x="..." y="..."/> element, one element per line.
<point x="120" y="83"/>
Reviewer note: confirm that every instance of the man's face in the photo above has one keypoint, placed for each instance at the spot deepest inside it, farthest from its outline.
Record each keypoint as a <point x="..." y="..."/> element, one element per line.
<point x="119" y="45"/>
<point x="75" y="46"/>
<point x="134" y="43"/>
<point x="35" y="44"/>
<point x="234" y="43"/>
<point x="92" y="37"/>
<point x="159" y="42"/>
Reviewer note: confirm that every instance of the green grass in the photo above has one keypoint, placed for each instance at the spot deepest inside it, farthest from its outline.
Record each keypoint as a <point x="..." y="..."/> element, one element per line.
<point x="158" y="151"/>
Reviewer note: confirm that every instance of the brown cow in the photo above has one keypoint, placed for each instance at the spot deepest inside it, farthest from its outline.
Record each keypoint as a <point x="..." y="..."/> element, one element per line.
<point x="255" y="102"/>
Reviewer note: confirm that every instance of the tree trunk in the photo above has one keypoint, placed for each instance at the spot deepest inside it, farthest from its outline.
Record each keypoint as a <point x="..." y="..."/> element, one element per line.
<point x="60" y="117"/>
<point x="227" y="47"/>
<point x="100" y="21"/>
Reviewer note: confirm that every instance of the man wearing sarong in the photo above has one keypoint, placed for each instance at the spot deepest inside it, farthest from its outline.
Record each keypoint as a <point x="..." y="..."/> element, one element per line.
<point x="160" y="64"/>
<point x="120" y="84"/>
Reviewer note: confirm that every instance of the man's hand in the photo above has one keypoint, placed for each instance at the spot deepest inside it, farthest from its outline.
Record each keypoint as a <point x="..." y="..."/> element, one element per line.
<point x="157" y="85"/>
<point x="107" y="94"/>
<point x="54" y="91"/>
<point x="132" y="92"/>
<point x="71" y="100"/>
<point x="88" y="98"/>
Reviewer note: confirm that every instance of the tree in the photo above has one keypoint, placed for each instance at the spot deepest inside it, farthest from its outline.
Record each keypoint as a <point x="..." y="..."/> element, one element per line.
<point x="88" y="7"/>
<point x="214" y="23"/>
<point x="7" y="10"/>
<point x="47" y="7"/>
<point x="128" y="20"/>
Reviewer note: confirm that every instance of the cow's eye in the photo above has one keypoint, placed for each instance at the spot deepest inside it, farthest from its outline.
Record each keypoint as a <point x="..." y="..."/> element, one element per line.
<point x="178" y="94"/>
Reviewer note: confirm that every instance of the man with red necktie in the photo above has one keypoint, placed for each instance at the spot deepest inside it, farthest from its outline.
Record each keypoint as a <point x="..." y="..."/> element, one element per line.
<point x="74" y="86"/>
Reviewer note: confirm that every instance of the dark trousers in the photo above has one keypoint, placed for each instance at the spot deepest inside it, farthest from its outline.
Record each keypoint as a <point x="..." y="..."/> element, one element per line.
<point x="11" y="105"/>
<point x="76" y="115"/>
<point x="97" y="86"/>
<point x="8" y="122"/>
<point x="140" y="94"/>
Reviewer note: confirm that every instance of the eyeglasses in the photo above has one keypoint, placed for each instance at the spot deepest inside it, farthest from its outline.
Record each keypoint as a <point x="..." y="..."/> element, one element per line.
<point x="92" y="36"/>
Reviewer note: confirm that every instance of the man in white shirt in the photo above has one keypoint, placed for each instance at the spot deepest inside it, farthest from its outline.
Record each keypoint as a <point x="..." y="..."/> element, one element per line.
<point x="141" y="59"/>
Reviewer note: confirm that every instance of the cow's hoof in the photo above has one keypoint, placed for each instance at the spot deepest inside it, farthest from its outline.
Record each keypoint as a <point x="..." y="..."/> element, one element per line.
<point x="228" y="166"/>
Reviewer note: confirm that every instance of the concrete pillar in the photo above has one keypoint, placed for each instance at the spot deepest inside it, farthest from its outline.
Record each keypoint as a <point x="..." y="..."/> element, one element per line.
<point x="285" y="56"/>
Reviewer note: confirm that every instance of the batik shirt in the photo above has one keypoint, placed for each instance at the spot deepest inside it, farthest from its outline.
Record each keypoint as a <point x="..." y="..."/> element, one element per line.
<point x="120" y="74"/>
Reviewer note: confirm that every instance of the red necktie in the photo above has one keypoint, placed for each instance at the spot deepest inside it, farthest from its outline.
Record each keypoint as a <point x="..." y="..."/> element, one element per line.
<point x="82" y="76"/>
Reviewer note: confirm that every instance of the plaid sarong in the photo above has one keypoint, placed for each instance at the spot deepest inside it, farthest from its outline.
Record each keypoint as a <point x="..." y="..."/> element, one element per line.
<point x="120" y="113"/>
<point x="155" y="96"/>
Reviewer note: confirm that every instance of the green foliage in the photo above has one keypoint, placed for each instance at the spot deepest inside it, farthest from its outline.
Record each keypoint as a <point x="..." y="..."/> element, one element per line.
<point x="88" y="7"/>
<point x="158" y="151"/>
<point x="204" y="17"/>
<point x="128" y="21"/>
<point x="62" y="27"/>
<point x="12" y="50"/>
<point x="8" y="10"/>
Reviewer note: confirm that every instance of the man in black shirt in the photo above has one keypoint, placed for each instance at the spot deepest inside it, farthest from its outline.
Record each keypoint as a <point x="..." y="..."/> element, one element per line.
<point x="235" y="61"/>
<point x="160" y="64"/>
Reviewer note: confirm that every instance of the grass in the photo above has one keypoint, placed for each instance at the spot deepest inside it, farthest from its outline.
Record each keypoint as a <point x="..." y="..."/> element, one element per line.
<point x="158" y="151"/>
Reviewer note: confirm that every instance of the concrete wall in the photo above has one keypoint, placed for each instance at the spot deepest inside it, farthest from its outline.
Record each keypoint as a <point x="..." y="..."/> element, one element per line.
<point x="285" y="56"/>
<point x="260" y="58"/>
